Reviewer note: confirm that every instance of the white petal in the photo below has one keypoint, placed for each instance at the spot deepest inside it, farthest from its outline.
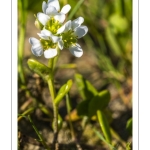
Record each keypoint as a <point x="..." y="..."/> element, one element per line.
<point x="51" y="11"/>
<point x="43" y="18"/>
<point x="61" y="29"/>
<point x="54" y="3"/>
<point x="44" y="7"/>
<point x="76" y="51"/>
<point x="50" y="53"/>
<point x="37" y="50"/>
<point x="33" y="41"/>
<point x="60" y="17"/>
<point x="78" y="45"/>
<point x="65" y="27"/>
<point x="45" y="34"/>
<point x="65" y="9"/>
<point x="81" y="31"/>
<point x="60" y="44"/>
<point x="77" y="22"/>
<point x="55" y="39"/>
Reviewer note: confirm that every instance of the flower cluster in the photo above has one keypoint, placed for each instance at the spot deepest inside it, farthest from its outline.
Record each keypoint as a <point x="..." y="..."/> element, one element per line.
<point x="55" y="33"/>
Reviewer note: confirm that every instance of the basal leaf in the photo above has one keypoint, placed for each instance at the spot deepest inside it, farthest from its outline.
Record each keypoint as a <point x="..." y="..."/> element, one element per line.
<point x="99" y="102"/>
<point x="82" y="108"/>
<point x="63" y="91"/>
<point x="104" y="125"/>
<point x="86" y="89"/>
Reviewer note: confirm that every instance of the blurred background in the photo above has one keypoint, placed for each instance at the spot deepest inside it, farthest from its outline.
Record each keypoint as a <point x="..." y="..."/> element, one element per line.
<point x="106" y="63"/>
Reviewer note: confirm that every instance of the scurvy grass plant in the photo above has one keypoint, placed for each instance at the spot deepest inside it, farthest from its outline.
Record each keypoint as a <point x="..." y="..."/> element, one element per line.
<point x="54" y="36"/>
<point x="58" y="33"/>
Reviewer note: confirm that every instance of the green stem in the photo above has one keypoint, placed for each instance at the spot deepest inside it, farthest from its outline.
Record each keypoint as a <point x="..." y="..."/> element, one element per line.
<point x="20" y="56"/>
<point x="51" y="88"/>
<point x="51" y="64"/>
<point x="55" y="108"/>
<point x="75" y="9"/>
<point x="68" y="111"/>
<point x="28" y="111"/>
<point x="22" y="19"/>
<point x="104" y="125"/>
<point x="39" y="135"/>
<point x="70" y="122"/>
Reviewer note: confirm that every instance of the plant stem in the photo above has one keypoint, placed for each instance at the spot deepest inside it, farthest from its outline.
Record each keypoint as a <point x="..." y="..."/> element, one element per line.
<point x="70" y="122"/>
<point x="51" y="64"/>
<point x="55" y="109"/>
<point x="22" y="19"/>
<point x="79" y="3"/>
<point x="68" y="111"/>
<point x="39" y="135"/>
<point x="28" y="111"/>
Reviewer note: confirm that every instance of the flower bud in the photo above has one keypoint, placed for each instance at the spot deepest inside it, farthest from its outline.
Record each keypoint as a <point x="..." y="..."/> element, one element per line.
<point x="39" y="68"/>
<point x="38" y="24"/>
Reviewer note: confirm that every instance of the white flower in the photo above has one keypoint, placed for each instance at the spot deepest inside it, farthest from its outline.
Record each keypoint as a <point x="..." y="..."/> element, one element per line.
<point x="54" y="3"/>
<point x="47" y="35"/>
<point x="51" y="19"/>
<point x="52" y="9"/>
<point x="47" y="44"/>
<point x="70" y="32"/>
<point x="55" y="7"/>
<point x="36" y="48"/>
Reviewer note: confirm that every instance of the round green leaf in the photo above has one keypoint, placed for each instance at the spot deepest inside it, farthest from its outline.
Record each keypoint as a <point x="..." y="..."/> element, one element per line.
<point x="82" y="108"/>
<point x="99" y="102"/>
<point x="86" y="89"/>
